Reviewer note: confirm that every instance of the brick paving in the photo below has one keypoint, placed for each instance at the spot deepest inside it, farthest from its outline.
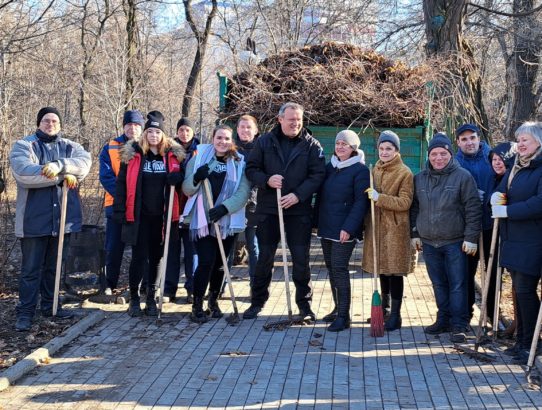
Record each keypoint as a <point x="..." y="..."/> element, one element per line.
<point x="139" y="363"/>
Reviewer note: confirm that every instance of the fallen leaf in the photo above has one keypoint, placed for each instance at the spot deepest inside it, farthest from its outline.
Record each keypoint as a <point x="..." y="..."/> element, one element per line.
<point x="315" y="343"/>
<point x="317" y="335"/>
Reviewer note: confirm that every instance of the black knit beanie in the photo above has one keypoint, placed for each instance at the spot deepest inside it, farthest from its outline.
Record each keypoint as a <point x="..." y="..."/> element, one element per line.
<point x="184" y="121"/>
<point x="155" y="119"/>
<point x="47" y="110"/>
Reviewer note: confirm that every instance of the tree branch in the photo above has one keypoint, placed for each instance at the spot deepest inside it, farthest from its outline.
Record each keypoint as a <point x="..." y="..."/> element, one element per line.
<point x="502" y="13"/>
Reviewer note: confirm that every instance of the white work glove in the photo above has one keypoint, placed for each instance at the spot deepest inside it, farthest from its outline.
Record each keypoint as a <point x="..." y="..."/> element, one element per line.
<point x="372" y="194"/>
<point x="416" y="243"/>
<point x="499" y="211"/>
<point x="481" y="195"/>
<point x="469" y="248"/>
<point x="498" y="198"/>
<point x="51" y="169"/>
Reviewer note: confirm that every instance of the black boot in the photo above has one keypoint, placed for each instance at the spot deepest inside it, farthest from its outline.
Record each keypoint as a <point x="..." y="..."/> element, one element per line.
<point x="342" y="321"/>
<point x="212" y="305"/>
<point x="330" y="317"/>
<point x="150" y="304"/>
<point x="198" y="315"/>
<point x="394" y="321"/>
<point x="134" y="310"/>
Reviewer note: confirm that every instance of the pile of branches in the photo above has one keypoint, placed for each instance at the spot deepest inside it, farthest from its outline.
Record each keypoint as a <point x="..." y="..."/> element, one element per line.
<point x="338" y="84"/>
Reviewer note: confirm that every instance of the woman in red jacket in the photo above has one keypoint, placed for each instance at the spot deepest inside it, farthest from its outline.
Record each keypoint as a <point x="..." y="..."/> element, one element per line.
<point x="148" y="169"/>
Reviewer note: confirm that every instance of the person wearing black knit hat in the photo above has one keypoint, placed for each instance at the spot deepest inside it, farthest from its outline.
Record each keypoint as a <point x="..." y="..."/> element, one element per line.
<point x="150" y="169"/>
<point x="185" y="137"/>
<point x="445" y="221"/>
<point x="41" y="163"/>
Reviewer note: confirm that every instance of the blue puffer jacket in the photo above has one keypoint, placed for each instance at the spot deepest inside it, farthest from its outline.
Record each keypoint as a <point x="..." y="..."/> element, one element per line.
<point x="342" y="202"/>
<point x="521" y="232"/>
<point x="38" y="197"/>
<point x="480" y="168"/>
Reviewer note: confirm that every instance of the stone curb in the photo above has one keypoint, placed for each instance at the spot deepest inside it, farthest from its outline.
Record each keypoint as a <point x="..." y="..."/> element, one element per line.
<point x="19" y="369"/>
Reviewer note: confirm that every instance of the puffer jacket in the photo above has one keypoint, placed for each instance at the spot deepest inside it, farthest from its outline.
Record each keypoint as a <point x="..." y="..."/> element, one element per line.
<point x="303" y="173"/>
<point x="38" y="197"/>
<point x="245" y="148"/>
<point x="446" y="206"/>
<point x="521" y="231"/>
<point x="129" y="196"/>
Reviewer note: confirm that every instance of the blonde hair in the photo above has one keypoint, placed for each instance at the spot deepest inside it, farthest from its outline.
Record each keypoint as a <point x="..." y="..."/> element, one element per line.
<point x="247" y="117"/>
<point x="163" y="146"/>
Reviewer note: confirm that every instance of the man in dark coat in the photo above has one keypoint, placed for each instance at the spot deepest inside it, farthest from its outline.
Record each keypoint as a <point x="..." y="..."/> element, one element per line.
<point x="290" y="159"/>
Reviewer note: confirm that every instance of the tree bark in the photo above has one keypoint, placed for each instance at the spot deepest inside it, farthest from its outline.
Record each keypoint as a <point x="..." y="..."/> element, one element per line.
<point x="131" y="51"/>
<point x="202" y="39"/>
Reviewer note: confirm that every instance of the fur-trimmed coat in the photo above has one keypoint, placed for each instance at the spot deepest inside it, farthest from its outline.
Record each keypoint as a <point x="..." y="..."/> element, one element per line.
<point x="129" y="196"/>
<point x="394" y="182"/>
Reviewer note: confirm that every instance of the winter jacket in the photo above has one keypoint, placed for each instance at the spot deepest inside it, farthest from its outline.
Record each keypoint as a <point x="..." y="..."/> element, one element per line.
<point x="233" y="204"/>
<point x="109" y="169"/>
<point x="303" y="173"/>
<point x="342" y="202"/>
<point x="38" y="197"/>
<point x="245" y="148"/>
<point x="128" y="199"/>
<point x="480" y="168"/>
<point x="191" y="150"/>
<point x="446" y="206"/>
<point x="521" y="232"/>
<point x="394" y="182"/>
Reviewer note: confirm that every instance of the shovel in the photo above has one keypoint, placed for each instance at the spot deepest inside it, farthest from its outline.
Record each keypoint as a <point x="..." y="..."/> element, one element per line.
<point x="234" y="317"/>
<point x="63" y="209"/>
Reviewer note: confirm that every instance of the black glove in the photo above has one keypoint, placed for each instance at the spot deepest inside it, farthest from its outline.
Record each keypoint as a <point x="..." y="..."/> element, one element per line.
<point x="174" y="178"/>
<point x="217" y="212"/>
<point x="201" y="174"/>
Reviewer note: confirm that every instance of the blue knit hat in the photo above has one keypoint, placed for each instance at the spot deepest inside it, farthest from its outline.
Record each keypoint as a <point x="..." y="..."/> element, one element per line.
<point x="467" y="127"/>
<point x="133" y="117"/>
<point x="440" y="140"/>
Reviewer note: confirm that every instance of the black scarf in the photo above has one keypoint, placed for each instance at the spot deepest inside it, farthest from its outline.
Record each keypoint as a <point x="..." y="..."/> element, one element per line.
<point x="43" y="137"/>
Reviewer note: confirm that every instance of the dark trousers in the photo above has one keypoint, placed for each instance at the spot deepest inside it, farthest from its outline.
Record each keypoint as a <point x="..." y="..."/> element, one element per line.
<point x="298" y="237"/>
<point x="528" y="304"/>
<point x="447" y="269"/>
<point x="393" y="285"/>
<point x="210" y="271"/>
<point x="148" y="248"/>
<point x="180" y="241"/>
<point x="337" y="257"/>
<point x="472" y="267"/>
<point x="114" y="250"/>
<point x="37" y="277"/>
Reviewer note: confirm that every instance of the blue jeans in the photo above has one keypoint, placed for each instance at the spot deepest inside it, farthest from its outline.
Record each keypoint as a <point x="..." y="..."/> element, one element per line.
<point x="38" y="268"/>
<point x="447" y="269"/>
<point x="114" y="250"/>
<point x="253" y="251"/>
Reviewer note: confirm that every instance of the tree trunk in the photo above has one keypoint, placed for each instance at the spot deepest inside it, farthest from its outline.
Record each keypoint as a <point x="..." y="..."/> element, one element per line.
<point x="444" y="23"/>
<point x="131" y="51"/>
<point x="202" y="39"/>
<point x="522" y="69"/>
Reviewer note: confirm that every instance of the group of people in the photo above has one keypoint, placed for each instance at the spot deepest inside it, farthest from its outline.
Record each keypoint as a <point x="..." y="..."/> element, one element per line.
<point x="445" y="211"/>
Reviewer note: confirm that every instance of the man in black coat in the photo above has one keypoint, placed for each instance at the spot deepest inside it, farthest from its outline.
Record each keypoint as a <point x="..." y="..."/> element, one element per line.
<point x="290" y="159"/>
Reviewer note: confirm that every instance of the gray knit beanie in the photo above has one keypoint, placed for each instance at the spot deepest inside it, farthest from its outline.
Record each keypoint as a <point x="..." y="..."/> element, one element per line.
<point x="391" y="137"/>
<point x="350" y="137"/>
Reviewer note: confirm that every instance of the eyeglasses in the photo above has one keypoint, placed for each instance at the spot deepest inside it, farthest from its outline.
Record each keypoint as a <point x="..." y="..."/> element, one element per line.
<point x="47" y="121"/>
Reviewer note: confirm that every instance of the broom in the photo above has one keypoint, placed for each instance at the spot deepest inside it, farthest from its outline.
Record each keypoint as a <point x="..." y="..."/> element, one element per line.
<point x="377" y="314"/>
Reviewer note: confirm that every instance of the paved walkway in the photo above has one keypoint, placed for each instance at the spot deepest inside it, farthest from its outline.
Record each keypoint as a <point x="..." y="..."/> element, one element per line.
<point x="127" y="363"/>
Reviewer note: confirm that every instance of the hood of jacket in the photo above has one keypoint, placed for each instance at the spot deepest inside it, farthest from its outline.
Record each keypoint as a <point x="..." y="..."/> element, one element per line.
<point x="130" y="149"/>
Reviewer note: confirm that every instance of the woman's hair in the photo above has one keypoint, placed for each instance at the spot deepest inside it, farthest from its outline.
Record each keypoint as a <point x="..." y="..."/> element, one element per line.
<point x="164" y="145"/>
<point x="532" y="128"/>
<point x="232" y="152"/>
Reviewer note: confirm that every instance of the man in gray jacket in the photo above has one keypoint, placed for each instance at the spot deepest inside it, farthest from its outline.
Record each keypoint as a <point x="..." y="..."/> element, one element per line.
<point x="40" y="163"/>
<point x="445" y="220"/>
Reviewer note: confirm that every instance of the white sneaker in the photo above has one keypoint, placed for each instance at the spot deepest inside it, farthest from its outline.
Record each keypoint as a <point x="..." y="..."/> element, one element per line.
<point x="108" y="292"/>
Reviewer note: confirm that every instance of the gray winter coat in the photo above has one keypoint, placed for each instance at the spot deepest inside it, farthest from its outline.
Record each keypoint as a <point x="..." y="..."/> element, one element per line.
<point x="446" y="206"/>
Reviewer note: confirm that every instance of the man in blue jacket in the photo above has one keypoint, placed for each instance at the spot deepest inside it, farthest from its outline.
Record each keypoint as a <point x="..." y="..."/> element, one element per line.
<point x="473" y="155"/>
<point x="40" y="163"/>
<point x="132" y="124"/>
<point x="289" y="158"/>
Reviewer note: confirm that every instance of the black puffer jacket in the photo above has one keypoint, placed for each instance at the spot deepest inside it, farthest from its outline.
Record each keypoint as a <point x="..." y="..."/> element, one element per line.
<point x="303" y="172"/>
<point x="446" y="206"/>
<point x="246" y="148"/>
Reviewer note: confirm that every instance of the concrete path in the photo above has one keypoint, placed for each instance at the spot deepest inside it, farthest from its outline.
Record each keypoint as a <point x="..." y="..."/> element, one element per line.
<point x="127" y="363"/>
